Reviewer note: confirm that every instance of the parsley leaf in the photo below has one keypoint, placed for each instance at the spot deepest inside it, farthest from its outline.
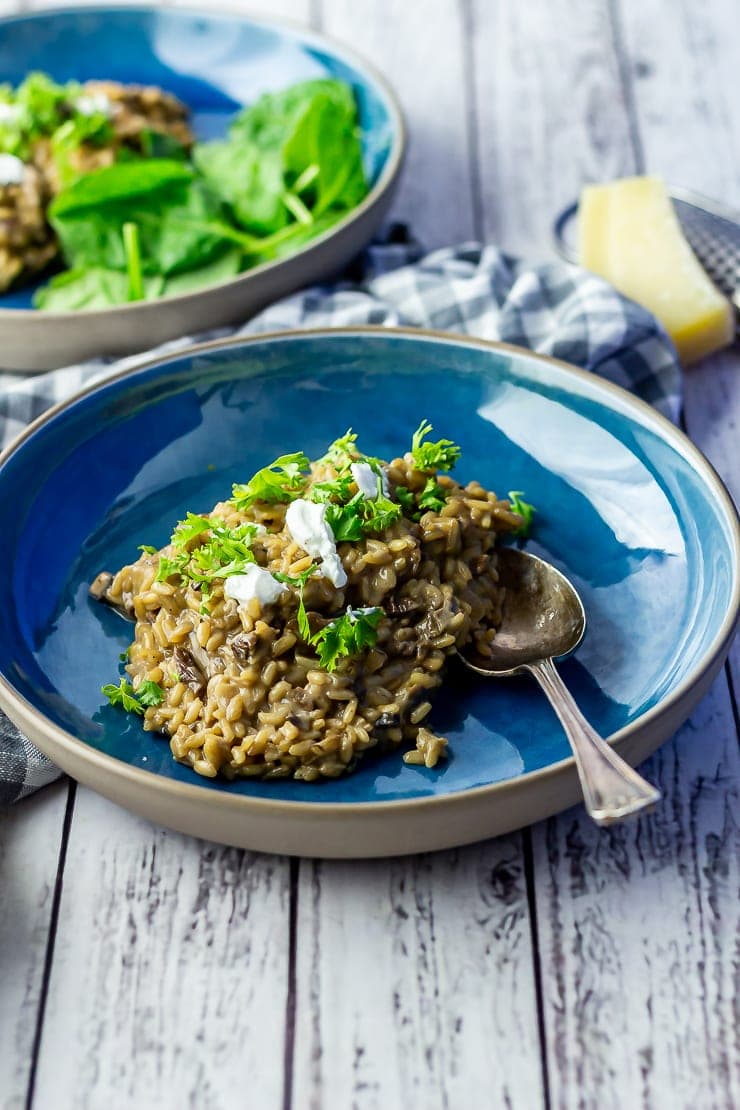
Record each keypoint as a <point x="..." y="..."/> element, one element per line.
<point x="189" y="528"/>
<point x="441" y="455"/>
<point x="300" y="581"/>
<point x="338" y="487"/>
<point x="281" y="481"/>
<point x="224" y="552"/>
<point x="169" y="566"/>
<point x="345" y="520"/>
<point x="348" y="635"/>
<point x="406" y="498"/>
<point x="378" y="514"/>
<point x="432" y="497"/>
<point x="342" y="450"/>
<point x="149" y="693"/>
<point x="122" y="695"/>
<point x="227" y="551"/>
<point x="524" y="509"/>
<point x="133" y="701"/>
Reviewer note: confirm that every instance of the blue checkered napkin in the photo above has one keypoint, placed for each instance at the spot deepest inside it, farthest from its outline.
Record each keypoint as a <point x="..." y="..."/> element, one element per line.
<point x="552" y="308"/>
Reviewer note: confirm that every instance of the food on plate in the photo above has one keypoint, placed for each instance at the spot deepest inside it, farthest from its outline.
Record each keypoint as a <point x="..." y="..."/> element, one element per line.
<point x="308" y="618"/>
<point x="52" y="134"/>
<point x="629" y="234"/>
<point x="106" y="180"/>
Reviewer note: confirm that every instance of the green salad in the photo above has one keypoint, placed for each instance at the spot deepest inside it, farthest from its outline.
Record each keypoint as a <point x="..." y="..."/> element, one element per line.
<point x="134" y="209"/>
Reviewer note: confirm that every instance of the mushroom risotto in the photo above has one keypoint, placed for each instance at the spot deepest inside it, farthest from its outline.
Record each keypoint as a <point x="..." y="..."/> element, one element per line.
<point x="308" y="619"/>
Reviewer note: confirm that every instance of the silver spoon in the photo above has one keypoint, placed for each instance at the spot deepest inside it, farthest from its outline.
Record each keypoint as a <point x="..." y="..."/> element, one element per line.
<point x="544" y="619"/>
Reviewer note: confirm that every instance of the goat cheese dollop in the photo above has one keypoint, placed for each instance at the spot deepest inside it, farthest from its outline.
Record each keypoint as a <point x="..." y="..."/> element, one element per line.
<point x="366" y="480"/>
<point x="306" y="521"/>
<point x="255" y="582"/>
<point x="11" y="170"/>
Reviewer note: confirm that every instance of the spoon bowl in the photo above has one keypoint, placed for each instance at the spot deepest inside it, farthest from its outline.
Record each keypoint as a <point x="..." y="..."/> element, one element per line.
<point x="543" y="616"/>
<point x="544" y="619"/>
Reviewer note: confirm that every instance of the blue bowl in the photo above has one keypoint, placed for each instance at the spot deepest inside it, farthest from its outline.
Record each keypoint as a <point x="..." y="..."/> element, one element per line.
<point x="216" y="63"/>
<point x="625" y="505"/>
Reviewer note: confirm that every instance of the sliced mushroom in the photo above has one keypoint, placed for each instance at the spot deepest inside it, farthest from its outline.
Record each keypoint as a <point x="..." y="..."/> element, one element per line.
<point x="189" y="671"/>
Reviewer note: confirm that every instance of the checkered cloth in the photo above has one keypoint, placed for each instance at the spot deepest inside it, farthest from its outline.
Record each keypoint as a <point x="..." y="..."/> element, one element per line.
<point x="552" y="308"/>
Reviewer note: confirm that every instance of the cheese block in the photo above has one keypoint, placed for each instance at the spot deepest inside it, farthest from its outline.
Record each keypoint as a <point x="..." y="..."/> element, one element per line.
<point x="629" y="234"/>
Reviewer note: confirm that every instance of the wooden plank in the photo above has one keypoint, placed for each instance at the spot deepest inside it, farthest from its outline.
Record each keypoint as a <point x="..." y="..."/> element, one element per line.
<point x="639" y="931"/>
<point x="683" y="62"/>
<point x="415" y="983"/>
<point x="550" y="113"/>
<point x="170" y="972"/>
<point x="30" y="837"/>
<point x="422" y="57"/>
<point x="638" y="926"/>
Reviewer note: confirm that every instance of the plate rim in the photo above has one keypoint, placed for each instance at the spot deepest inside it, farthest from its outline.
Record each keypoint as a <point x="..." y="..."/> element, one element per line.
<point x="54" y="738"/>
<point x="385" y="182"/>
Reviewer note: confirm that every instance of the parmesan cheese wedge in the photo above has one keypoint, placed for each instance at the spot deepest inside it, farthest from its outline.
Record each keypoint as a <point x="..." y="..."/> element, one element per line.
<point x="629" y="234"/>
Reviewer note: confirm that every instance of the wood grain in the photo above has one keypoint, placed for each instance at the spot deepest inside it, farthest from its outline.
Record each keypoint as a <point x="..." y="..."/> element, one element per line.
<point x="415" y="983"/>
<point x="30" y="836"/>
<point x="169" y="982"/>
<point x="421" y="54"/>
<point x="550" y="113"/>
<point x="640" y="928"/>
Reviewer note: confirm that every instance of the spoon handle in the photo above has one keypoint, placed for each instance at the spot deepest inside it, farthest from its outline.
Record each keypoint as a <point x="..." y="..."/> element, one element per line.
<point x="612" y="790"/>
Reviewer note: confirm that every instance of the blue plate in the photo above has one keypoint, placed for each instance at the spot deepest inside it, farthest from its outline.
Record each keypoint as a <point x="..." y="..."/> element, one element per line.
<point x="626" y="506"/>
<point x="216" y="63"/>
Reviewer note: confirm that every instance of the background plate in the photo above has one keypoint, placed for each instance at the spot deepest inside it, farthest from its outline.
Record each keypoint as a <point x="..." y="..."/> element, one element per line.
<point x="626" y="506"/>
<point x="216" y="63"/>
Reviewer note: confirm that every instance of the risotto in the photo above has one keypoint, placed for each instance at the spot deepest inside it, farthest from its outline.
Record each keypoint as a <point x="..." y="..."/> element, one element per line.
<point x="308" y="619"/>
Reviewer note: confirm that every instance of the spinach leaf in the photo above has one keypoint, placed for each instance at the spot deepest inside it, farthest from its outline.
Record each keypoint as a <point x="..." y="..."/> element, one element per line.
<point x="92" y="287"/>
<point x="227" y="265"/>
<point x="180" y="222"/>
<point x="249" y="180"/>
<point x="291" y="157"/>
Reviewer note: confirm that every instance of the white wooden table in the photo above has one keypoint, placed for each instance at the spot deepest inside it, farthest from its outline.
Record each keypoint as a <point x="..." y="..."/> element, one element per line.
<point x="560" y="966"/>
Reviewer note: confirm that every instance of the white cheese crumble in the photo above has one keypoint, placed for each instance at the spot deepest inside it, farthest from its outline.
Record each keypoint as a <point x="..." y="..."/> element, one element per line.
<point x="11" y="113"/>
<point x="307" y="524"/>
<point x="92" y="104"/>
<point x="255" y="582"/>
<point x="12" y="170"/>
<point x="366" y="480"/>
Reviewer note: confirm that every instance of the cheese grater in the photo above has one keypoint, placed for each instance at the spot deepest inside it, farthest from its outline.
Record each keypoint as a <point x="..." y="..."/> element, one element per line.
<point x="712" y="229"/>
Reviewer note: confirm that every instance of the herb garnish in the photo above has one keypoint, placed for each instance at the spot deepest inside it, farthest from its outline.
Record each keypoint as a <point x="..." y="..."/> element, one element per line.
<point x="299" y="581"/>
<point x="524" y="509"/>
<point x="281" y="481"/>
<point x="133" y="701"/>
<point x="224" y="552"/>
<point x="348" y="635"/>
<point x="441" y="455"/>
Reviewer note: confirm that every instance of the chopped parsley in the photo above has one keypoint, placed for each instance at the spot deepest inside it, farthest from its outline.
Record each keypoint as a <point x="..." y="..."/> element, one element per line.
<point x="441" y="455"/>
<point x="431" y="499"/>
<point x="189" y="528"/>
<point x="343" y="450"/>
<point x="283" y="480"/>
<point x="130" y="700"/>
<point x="147" y="549"/>
<point x="299" y="581"/>
<point x="149" y="693"/>
<point x="524" y="509"/>
<point x="224" y="552"/>
<point x="348" y="635"/>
